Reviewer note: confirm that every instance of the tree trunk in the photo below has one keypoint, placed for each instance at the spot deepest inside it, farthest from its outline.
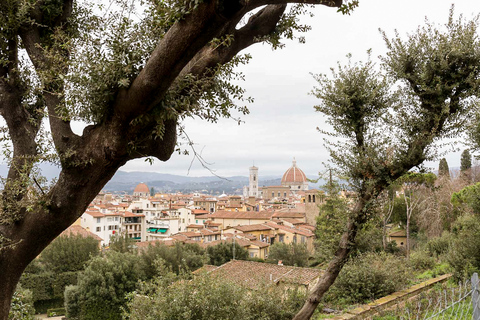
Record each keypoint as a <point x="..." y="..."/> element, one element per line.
<point x="336" y="264"/>
<point x="384" y="235"/>
<point x="408" y="235"/>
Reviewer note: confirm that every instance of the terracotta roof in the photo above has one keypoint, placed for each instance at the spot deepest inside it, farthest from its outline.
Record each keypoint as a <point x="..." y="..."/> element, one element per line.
<point x="260" y="244"/>
<point x="205" y="268"/>
<point x="199" y="211"/>
<point x="256" y="274"/>
<point x="262" y="215"/>
<point x="293" y="221"/>
<point x="142" y="187"/>
<point x="240" y="242"/>
<point x="294" y="175"/>
<point x="253" y="227"/>
<point x="303" y="232"/>
<point x="128" y="214"/>
<point x="196" y="226"/>
<point x="95" y="214"/>
<point x="287" y="214"/>
<point x="76" y="230"/>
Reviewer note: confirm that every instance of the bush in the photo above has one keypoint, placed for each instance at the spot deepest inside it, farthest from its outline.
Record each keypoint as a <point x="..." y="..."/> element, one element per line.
<point x="207" y="298"/>
<point x="464" y="253"/>
<point x="69" y="253"/>
<point x="421" y="260"/>
<point x="181" y="257"/>
<point x="370" y="276"/>
<point x="101" y="289"/>
<point x="223" y="252"/>
<point x="293" y="254"/>
<point x="21" y="307"/>
<point x="439" y="245"/>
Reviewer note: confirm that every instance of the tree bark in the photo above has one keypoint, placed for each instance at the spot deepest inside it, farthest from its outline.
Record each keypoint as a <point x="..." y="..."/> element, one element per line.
<point x="336" y="264"/>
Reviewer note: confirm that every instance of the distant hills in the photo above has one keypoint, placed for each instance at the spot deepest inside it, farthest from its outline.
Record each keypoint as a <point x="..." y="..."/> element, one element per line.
<point x="161" y="182"/>
<point x="125" y="182"/>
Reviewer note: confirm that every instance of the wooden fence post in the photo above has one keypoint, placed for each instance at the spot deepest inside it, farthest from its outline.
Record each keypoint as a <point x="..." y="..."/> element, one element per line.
<point x="476" y="296"/>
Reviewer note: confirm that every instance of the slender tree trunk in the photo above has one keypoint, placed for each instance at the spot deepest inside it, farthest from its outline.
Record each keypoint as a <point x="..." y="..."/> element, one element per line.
<point x="408" y="235"/>
<point x="336" y="264"/>
<point x="384" y="235"/>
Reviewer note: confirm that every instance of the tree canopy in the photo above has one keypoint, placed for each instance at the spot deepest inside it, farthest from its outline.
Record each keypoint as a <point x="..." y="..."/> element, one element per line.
<point x="132" y="71"/>
<point x="443" y="170"/>
<point x="386" y="119"/>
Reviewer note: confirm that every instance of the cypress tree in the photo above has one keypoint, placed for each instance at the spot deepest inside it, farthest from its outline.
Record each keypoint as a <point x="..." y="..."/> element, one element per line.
<point x="443" y="170"/>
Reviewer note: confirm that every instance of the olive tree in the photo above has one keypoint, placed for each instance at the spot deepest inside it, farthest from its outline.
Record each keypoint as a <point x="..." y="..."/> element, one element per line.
<point x="386" y="120"/>
<point x="132" y="74"/>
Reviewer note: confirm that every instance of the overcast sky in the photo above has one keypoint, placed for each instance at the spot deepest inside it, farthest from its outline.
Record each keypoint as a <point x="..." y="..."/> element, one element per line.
<point x="282" y="122"/>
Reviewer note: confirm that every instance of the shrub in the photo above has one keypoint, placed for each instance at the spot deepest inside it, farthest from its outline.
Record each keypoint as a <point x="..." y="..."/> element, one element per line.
<point x="439" y="245"/>
<point x="21" y="307"/>
<point x="101" y="288"/>
<point x="421" y="260"/>
<point x="207" y="298"/>
<point x="464" y="253"/>
<point x="293" y="254"/>
<point x="370" y="276"/>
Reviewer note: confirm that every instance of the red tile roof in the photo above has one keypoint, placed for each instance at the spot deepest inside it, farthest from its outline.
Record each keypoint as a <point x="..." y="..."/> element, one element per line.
<point x="76" y="230"/>
<point x="262" y="215"/>
<point x="256" y="274"/>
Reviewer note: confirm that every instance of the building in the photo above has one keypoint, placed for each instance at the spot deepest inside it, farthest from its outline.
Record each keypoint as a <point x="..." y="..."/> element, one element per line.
<point x="256" y="274"/>
<point x="252" y="189"/>
<point x="294" y="178"/>
<point x="141" y="191"/>
<point x="313" y="199"/>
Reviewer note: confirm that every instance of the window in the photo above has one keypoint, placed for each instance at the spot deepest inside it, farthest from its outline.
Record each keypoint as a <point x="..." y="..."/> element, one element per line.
<point x="99" y="229"/>
<point x="98" y="220"/>
<point x="273" y="194"/>
<point x="116" y="218"/>
<point x="284" y="194"/>
<point x="279" y="194"/>
<point x="313" y="197"/>
<point x="252" y="255"/>
<point x="254" y="179"/>
<point x="309" y="198"/>
<point x="109" y="219"/>
<point x="110" y="227"/>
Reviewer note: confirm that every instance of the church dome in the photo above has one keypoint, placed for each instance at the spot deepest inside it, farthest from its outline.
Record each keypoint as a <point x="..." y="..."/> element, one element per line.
<point x="294" y="175"/>
<point x="141" y="188"/>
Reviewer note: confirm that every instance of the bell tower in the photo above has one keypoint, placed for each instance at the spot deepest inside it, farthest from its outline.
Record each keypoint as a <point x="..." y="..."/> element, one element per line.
<point x="253" y="182"/>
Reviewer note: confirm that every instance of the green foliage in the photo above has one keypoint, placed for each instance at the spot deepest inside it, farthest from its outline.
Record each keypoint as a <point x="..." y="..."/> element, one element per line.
<point x="370" y="276"/>
<point x="47" y="285"/>
<point x="101" y="288"/>
<point x="443" y="170"/>
<point x="420" y="260"/>
<point x="179" y="258"/>
<point x="331" y="222"/>
<point x="55" y="312"/>
<point x="69" y="253"/>
<point x="223" y="252"/>
<point x="439" y="245"/>
<point x="464" y="253"/>
<point x="293" y="254"/>
<point x="210" y="298"/>
<point x="21" y="307"/>
<point x="469" y="197"/>
<point x="122" y="243"/>
<point x="465" y="161"/>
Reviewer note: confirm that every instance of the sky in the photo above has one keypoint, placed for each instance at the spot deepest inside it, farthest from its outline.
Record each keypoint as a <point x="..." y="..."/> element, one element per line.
<point x="282" y="122"/>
